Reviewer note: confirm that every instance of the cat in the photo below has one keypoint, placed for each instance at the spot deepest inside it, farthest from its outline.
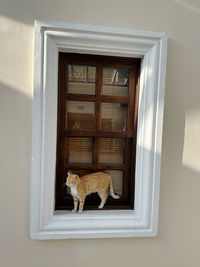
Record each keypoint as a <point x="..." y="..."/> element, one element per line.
<point x="90" y="183"/>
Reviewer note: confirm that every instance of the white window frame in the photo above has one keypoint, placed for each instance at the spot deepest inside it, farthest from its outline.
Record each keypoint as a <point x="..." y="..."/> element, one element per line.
<point x="151" y="47"/>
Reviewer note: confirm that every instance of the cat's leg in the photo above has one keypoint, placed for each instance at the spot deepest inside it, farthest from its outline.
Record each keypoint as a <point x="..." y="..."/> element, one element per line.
<point x="103" y="195"/>
<point x="75" y="205"/>
<point x="82" y="200"/>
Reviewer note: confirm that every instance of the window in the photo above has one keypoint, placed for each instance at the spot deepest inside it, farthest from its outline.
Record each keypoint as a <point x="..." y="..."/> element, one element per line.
<point x="97" y="124"/>
<point x="52" y="38"/>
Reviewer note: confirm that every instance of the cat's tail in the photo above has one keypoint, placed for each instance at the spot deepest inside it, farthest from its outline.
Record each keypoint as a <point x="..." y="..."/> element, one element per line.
<point x="111" y="190"/>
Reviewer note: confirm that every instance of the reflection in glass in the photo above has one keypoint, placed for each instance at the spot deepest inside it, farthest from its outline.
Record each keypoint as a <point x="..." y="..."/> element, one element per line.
<point x="81" y="79"/>
<point x="79" y="150"/>
<point x="115" y="81"/>
<point x="81" y="73"/>
<point x="114" y="116"/>
<point x="111" y="150"/>
<point x="80" y="115"/>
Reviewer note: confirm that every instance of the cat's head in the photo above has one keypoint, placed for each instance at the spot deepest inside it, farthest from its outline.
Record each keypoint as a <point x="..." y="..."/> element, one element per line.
<point x="72" y="179"/>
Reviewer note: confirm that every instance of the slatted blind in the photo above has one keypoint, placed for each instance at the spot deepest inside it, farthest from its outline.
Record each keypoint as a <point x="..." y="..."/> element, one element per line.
<point x="79" y="150"/>
<point x="80" y="115"/>
<point x="117" y="180"/>
<point x="111" y="150"/>
<point x="114" y="116"/>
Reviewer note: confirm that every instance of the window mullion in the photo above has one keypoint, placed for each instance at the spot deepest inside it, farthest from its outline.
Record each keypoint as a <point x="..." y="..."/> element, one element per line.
<point x="99" y="78"/>
<point x="61" y="141"/>
<point x="128" y="162"/>
<point x="98" y="95"/>
<point x="131" y="103"/>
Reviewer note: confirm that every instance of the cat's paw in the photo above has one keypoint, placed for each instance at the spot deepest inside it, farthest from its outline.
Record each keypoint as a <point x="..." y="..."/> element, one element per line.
<point x="100" y="207"/>
<point x="80" y="211"/>
<point x="74" y="211"/>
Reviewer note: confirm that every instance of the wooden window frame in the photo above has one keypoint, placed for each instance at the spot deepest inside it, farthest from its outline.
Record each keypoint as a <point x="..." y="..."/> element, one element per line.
<point x="151" y="47"/>
<point x="126" y="201"/>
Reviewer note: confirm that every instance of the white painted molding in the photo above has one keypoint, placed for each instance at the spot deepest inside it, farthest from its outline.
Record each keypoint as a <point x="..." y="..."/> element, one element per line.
<point x="50" y="38"/>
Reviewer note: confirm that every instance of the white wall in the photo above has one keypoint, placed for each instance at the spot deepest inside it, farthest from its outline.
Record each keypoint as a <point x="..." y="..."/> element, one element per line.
<point x="178" y="241"/>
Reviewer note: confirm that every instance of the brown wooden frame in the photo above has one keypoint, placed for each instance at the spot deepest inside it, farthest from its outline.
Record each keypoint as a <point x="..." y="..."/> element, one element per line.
<point x="63" y="201"/>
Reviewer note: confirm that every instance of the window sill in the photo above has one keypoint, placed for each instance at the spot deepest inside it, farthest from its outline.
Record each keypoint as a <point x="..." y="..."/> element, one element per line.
<point x="151" y="47"/>
<point x="93" y="224"/>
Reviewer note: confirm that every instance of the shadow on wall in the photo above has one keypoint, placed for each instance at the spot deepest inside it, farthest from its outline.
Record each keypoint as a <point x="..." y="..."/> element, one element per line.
<point x="182" y="109"/>
<point x="15" y="139"/>
<point x="180" y="171"/>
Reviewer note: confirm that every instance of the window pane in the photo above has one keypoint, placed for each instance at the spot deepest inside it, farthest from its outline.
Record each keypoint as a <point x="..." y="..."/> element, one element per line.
<point x="117" y="180"/>
<point x="79" y="150"/>
<point x="115" y="90"/>
<point x="114" y="116"/>
<point x="111" y="150"/>
<point x="115" y="81"/>
<point x="80" y="115"/>
<point x="81" y="79"/>
<point x="80" y="73"/>
<point x="81" y="88"/>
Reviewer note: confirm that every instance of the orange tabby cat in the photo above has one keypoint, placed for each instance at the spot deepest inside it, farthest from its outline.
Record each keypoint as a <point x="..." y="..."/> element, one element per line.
<point x="90" y="183"/>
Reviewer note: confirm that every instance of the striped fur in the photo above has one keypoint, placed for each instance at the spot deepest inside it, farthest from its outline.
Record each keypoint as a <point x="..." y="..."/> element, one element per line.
<point x="87" y="184"/>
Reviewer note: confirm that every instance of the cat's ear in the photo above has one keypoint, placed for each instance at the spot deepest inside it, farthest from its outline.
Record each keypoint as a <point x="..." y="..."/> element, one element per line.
<point x="75" y="176"/>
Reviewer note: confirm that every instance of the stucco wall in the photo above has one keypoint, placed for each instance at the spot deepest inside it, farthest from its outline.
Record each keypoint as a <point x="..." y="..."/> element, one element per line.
<point x="178" y="241"/>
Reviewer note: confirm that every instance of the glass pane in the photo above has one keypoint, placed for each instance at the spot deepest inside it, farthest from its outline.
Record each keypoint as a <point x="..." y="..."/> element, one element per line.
<point x="114" y="116"/>
<point x="117" y="180"/>
<point x="115" y="81"/>
<point x="111" y="150"/>
<point x="81" y="88"/>
<point x="79" y="150"/>
<point x="115" y="90"/>
<point x="80" y="73"/>
<point x="80" y="115"/>
<point x="81" y="79"/>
